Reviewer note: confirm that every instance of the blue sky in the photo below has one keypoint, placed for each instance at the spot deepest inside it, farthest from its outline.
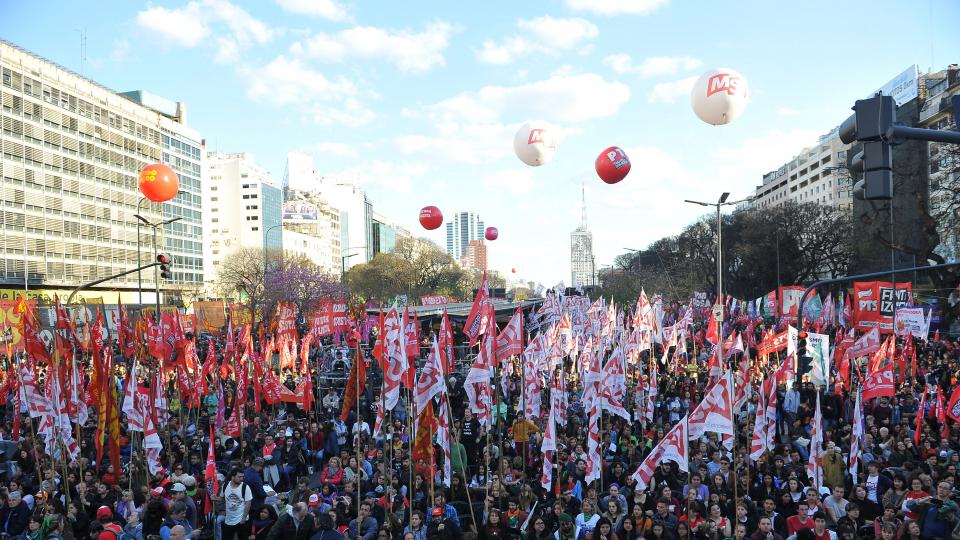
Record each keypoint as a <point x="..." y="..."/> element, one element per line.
<point x="420" y="100"/>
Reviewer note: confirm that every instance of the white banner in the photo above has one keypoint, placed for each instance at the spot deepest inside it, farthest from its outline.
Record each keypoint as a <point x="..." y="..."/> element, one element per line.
<point x="911" y="320"/>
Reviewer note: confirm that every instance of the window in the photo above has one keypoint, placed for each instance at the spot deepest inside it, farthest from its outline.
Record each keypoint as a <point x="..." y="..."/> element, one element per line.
<point x="214" y="199"/>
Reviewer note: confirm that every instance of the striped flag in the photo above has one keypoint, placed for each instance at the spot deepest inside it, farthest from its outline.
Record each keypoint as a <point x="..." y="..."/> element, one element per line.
<point x="673" y="447"/>
<point x="443" y="437"/>
<point x="856" y="440"/>
<point x="815" y="464"/>
<point x="548" y="447"/>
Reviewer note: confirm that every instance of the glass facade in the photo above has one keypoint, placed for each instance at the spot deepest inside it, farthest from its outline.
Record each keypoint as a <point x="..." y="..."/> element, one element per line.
<point x="271" y="207"/>
<point x="184" y="238"/>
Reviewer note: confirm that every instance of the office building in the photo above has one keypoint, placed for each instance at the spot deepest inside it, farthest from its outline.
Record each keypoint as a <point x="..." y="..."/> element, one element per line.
<point x="383" y="235"/>
<point x="243" y="209"/>
<point x="72" y="150"/>
<point x="311" y="227"/>
<point x="476" y="256"/>
<point x="944" y="160"/>
<point x="463" y="227"/>
<point x="817" y="174"/>
<point x="582" y="264"/>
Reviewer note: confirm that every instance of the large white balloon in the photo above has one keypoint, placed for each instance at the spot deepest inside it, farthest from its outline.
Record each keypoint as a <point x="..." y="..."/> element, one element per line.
<point x="719" y="96"/>
<point x="535" y="143"/>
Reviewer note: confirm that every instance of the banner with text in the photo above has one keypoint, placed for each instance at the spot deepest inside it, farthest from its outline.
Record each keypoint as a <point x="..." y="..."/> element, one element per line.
<point x="875" y="302"/>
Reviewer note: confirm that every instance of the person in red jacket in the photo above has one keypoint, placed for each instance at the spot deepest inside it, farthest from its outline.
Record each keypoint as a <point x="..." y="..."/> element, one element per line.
<point x="332" y="473"/>
<point x="800" y="521"/>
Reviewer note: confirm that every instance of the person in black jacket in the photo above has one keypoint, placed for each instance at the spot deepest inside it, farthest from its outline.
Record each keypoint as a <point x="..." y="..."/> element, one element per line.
<point x="296" y="525"/>
<point x="15" y="516"/>
<point x="441" y="527"/>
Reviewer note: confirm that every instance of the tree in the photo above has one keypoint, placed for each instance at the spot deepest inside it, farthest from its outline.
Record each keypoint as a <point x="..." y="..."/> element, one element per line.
<point x="241" y="276"/>
<point x="416" y="267"/>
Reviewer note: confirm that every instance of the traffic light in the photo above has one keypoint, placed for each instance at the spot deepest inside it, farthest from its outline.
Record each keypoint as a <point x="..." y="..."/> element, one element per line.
<point x="872" y="124"/>
<point x="166" y="265"/>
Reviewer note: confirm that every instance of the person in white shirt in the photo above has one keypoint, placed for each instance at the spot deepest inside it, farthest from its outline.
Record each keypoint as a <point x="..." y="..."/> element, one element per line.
<point x="237" y="498"/>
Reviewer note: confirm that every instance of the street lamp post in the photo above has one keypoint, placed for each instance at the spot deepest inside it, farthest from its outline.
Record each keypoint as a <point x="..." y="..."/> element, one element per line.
<point x="718" y="205"/>
<point x="156" y="273"/>
<point x="266" y="238"/>
<point x="343" y="263"/>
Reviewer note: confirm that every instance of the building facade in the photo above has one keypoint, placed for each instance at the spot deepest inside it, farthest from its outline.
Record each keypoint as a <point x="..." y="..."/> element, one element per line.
<point x="244" y="208"/>
<point x="817" y="174"/>
<point x="312" y="228"/>
<point x="71" y="154"/>
<point x="943" y="159"/>
<point x="476" y="256"/>
<point x="461" y="229"/>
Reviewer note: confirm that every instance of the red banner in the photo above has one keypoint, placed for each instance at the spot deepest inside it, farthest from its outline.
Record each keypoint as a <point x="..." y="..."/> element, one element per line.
<point x="434" y="300"/>
<point x="340" y="321"/>
<point x="875" y="302"/>
<point x="790" y="301"/>
<point x="287" y="320"/>
<point x="774" y="343"/>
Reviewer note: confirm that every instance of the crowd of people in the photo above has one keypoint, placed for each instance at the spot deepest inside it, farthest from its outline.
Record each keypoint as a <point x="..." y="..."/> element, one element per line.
<point x="294" y="474"/>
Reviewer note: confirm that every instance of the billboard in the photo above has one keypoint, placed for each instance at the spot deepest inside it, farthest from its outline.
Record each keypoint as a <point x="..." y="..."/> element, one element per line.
<point x="875" y="302"/>
<point x="903" y="87"/>
<point x="300" y="211"/>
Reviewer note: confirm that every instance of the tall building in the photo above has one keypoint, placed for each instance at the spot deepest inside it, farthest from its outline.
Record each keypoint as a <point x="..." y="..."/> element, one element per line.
<point x="582" y="265"/>
<point x="311" y="227"/>
<point x="817" y="174"/>
<point x="476" y="256"/>
<point x="72" y="150"/>
<point x="383" y="235"/>
<point x="944" y="160"/>
<point x="243" y="208"/>
<point x="461" y="229"/>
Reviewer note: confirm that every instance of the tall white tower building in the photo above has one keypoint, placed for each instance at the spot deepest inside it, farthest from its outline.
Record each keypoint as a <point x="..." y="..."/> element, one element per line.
<point x="582" y="271"/>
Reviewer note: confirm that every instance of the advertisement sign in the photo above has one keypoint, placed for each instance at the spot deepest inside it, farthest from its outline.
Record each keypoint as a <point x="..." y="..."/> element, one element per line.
<point x="912" y="321"/>
<point x="300" y="211"/>
<point x="875" y="302"/>
<point x="434" y="300"/>
<point x="902" y="88"/>
<point x="790" y="301"/>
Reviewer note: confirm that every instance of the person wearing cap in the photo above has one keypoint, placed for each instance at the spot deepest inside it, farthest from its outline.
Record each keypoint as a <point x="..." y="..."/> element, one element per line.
<point x="252" y="478"/>
<point x="177" y="515"/>
<point x="15" y="515"/>
<point x="105" y="518"/>
<point x="566" y="531"/>
<point x="179" y="492"/>
<point x="442" y="527"/>
<point x="317" y="505"/>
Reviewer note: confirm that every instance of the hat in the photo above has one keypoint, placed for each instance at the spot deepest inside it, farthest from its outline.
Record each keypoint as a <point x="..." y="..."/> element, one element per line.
<point x="189" y="481"/>
<point x="178" y="487"/>
<point x="436" y="512"/>
<point x="104" y="512"/>
<point x="615" y="485"/>
<point x="565" y="517"/>
<point x="314" y="500"/>
<point x="371" y="495"/>
<point x="157" y="492"/>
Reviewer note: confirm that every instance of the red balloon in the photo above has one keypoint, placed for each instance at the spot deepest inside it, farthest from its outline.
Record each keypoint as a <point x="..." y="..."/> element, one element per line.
<point x="612" y="165"/>
<point x="491" y="233"/>
<point x="431" y="218"/>
<point x="514" y="270"/>
<point x="158" y="182"/>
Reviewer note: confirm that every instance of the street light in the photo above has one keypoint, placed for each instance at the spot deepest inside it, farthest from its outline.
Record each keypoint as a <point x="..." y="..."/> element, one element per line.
<point x="266" y="238"/>
<point x="343" y="262"/>
<point x="718" y="315"/>
<point x="156" y="278"/>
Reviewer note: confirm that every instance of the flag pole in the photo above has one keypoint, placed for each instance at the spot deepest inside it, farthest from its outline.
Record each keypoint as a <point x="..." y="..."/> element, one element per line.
<point x="356" y="379"/>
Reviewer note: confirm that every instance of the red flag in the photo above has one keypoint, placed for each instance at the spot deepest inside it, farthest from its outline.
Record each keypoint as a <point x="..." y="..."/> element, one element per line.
<point x="446" y="343"/>
<point x="941" y="415"/>
<point x="411" y="331"/>
<point x="210" y="476"/>
<point x="477" y="319"/>
<point x="125" y="335"/>
<point x="357" y="379"/>
<point x="33" y="345"/>
<point x="307" y="398"/>
<point x="921" y="413"/>
<point x="510" y="340"/>
<point x="953" y="406"/>
<point x="673" y="447"/>
<point x="423" y="442"/>
<point x="96" y="332"/>
<point x="879" y="383"/>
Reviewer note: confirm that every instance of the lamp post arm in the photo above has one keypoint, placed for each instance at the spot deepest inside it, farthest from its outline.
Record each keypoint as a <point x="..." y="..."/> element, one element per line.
<point x="108" y="278"/>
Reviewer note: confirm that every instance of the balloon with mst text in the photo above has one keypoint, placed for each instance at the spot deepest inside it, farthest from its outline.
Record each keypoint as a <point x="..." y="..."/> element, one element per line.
<point x="535" y="143"/>
<point x="612" y="165"/>
<point x="431" y="218"/>
<point x="158" y="182"/>
<point x="720" y="96"/>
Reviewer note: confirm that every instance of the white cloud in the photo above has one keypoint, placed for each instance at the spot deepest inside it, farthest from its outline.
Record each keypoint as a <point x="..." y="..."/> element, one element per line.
<point x="330" y="10"/>
<point x="668" y="92"/>
<point x="655" y="66"/>
<point x="233" y="27"/>
<point x="411" y="52"/>
<point x="561" y="98"/>
<point x="617" y="7"/>
<point x="326" y="101"/>
<point x="542" y="35"/>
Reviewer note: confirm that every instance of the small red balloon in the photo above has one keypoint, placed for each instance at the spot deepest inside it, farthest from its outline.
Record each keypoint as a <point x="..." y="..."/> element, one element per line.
<point x="158" y="182"/>
<point x="491" y="233"/>
<point x="612" y="165"/>
<point x="514" y="270"/>
<point x="431" y="217"/>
